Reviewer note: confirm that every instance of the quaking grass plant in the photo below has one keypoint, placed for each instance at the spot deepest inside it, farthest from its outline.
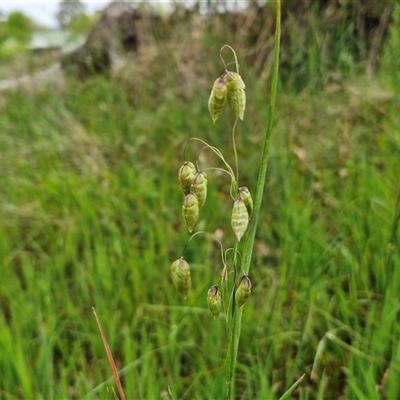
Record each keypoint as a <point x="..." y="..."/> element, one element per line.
<point x="234" y="287"/>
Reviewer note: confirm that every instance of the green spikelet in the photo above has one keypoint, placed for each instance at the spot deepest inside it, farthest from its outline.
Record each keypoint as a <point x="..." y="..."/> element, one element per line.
<point x="243" y="291"/>
<point x="239" y="218"/>
<point x="236" y="95"/>
<point x="217" y="98"/>
<point x="190" y="210"/>
<point x="180" y="274"/>
<point x="199" y="187"/>
<point x="245" y="195"/>
<point x="185" y="175"/>
<point x="214" y="301"/>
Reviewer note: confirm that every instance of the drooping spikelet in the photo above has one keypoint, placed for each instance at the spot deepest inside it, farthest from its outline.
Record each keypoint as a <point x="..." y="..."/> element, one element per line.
<point x="185" y="175"/>
<point x="199" y="187"/>
<point x="217" y="98"/>
<point x="180" y="274"/>
<point x="243" y="291"/>
<point x="190" y="210"/>
<point x="245" y="195"/>
<point x="239" y="218"/>
<point x="214" y="301"/>
<point x="236" y="95"/>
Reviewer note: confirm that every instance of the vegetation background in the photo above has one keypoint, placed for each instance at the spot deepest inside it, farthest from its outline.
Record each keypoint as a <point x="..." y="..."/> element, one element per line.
<point x="90" y="215"/>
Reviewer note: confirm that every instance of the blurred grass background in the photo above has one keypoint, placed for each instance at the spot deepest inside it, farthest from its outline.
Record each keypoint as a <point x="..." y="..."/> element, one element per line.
<point x="90" y="215"/>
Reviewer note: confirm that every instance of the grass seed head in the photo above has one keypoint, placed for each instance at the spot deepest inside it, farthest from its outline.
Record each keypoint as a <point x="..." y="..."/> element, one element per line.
<point x="243" y="291"/>
<point x="236" y="95"/>
<point x="245" y="195"/>
<point x="199" y="187"/>
<point x="239" y="218"/>
<point x="180" y="274"/>
<point x="214" y="301"/>
<point x="190" y="210"/>
<point x="217" y="98"/>
<point x="185" y="175"/>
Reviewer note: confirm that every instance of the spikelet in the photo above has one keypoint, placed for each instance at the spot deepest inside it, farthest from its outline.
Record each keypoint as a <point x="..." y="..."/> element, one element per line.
<point x="185" y="175"/>
<point x="239" y="218"/>
<point x="245" y="195"/>
<point x="224" y="273"/>
<point x="214" y="301"/>
<point x="233" y="80"/>
<point x="199" y="187"/>
<point x="217" y="98"/>
<point x="190" y="210"/>
<point x="236" y="95"/>
<point x="180" y="274"/>
<point x="243" y="291"/>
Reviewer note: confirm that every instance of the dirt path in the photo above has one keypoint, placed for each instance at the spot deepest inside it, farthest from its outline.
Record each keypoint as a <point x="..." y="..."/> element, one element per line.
<point x="53" y="73"/>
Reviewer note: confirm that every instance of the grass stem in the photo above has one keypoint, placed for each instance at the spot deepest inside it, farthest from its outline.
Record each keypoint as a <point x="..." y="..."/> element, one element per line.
<point x="234" y="335"/>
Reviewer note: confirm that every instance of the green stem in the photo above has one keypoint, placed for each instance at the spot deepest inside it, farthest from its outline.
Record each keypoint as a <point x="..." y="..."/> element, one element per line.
<point x="235" y="152"/>
<point x="234" y="334"/>
<point x="216" y="152"/>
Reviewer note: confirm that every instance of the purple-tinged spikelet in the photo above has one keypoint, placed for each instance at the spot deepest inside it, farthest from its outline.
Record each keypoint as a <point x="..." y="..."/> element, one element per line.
<point x="243" y="291"/>
<point x="214" y="301"/>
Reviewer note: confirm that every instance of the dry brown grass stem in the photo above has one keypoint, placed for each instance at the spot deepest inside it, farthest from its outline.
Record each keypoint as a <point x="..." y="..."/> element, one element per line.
<point x="110" y="358"/>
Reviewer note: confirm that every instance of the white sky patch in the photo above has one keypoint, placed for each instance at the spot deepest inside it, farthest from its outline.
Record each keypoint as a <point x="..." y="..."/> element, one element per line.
<point x="44" y="12"/>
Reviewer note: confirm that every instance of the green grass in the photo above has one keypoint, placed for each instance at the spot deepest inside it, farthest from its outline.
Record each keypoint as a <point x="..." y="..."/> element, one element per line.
<point x="90" y="215"/>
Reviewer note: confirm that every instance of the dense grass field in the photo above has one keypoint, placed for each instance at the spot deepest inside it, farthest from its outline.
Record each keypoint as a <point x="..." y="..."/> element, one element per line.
<point x="90" y="216"/>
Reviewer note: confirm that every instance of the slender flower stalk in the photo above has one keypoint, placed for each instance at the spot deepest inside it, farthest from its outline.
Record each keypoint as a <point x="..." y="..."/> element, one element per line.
<point x="233" y="341"/>
<point x="228" y="89"/>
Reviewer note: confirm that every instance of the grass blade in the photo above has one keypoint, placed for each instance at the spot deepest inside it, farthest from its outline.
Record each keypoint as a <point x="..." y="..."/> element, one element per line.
<point x="292" y="388"/>
<point x="110" y="358"/>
